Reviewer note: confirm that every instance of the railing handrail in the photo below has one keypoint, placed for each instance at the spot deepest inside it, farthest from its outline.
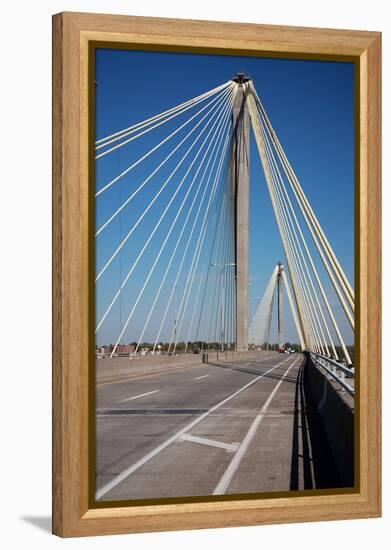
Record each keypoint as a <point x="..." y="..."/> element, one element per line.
<point x="347" y="370"/>
<point x="331" y="367"/>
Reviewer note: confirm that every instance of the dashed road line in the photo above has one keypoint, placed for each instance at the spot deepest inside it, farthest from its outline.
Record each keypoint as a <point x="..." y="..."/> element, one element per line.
<point x="140" y="395"/>
<point x="201" y="377"/>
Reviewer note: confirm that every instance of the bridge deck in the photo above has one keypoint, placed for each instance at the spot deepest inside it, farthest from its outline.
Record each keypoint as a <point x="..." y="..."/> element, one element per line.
<point x="231" y="427"/>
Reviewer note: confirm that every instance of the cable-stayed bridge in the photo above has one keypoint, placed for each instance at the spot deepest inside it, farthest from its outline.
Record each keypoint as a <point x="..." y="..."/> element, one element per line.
<point x="172" y="276"/>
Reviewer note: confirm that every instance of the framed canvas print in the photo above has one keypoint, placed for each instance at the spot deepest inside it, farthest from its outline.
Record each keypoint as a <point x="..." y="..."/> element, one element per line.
<point x="216" y="217"/>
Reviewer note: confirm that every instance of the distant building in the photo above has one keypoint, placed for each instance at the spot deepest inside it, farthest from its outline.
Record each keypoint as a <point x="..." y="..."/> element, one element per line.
<point x="125" y="348"/>
<point x="122" y="349"/>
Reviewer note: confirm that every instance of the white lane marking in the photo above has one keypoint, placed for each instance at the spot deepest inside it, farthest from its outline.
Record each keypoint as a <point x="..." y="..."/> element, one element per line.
<point x="224" y="482"/>
<point x="136" y="465"/>
<point x="173" y="370"/>
<point x="231" y="447"/>
<point x="200" y="377"/>
<point x="138" y="396"/>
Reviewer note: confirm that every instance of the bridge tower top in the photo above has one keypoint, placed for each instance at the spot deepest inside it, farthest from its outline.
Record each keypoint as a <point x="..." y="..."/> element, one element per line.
<point x="241" y="78"/>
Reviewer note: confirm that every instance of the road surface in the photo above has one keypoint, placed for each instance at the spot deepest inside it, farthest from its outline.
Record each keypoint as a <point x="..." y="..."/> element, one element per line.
<point x="245" y="426"/>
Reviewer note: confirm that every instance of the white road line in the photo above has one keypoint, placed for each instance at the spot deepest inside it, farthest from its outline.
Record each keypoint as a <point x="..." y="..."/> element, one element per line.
<point x="231" y="447"/>
<point x="200" y="377"/>
<point x="224" y="482"/>
<point x="138" y="396"/>
<point x="136" y="465"/>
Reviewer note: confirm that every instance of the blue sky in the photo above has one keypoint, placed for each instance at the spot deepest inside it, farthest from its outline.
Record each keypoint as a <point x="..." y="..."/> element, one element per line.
<point x="311" y="107"/>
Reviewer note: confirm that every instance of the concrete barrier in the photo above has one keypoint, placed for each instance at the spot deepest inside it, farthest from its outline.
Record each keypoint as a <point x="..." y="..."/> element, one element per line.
<point x="337" y="412"/>
<point x="124" y="368"/>
<point x="119" y="368"/>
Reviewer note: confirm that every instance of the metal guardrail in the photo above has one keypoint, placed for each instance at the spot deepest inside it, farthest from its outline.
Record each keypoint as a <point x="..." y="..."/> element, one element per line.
<point x="339" y="372"/>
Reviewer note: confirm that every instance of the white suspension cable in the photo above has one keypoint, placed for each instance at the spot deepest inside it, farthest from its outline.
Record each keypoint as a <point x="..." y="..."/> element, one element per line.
<point x="297" y="250"/>
<point x="256" y="123"/>
<point x="153" y="267"/>
<point x="195" y="305"/>
<point x="223" y="276"/>
<point x="207" y="287"/>
<point x="216" y="279"/>
<point x="138" y="125"/>
<point x="222" y="95"/>
<point x="166" y="158"/>
<point x="303" y="285"/>
<point x="314" y="237"/>
<point x="215" y="149"/>
<point x="304" y="205"/>
<point x="213" y="281"/>
<point x="189" y="283"/>
<point x="178" y="165"/>
<point x="320" y="251"/>
<point x="115" y="147"/>
<point x="202" y="232"/>
<point x="257" y="129"/>
<point x="328" y="307"/>
<point x="185" y="254"/>
<point x="291" y="213"/>
<point x="151" y="236"/>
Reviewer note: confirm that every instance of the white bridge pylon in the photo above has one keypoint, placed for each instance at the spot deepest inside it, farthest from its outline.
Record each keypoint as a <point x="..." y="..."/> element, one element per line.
<point x="259" y="330"/>
<point x="190" y="277"/>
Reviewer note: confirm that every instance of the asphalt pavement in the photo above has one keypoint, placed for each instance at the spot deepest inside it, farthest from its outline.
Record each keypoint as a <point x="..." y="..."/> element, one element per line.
<point x="244" y="426"/>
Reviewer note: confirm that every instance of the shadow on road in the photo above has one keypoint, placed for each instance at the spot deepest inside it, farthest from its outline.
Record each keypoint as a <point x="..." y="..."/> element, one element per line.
<point x="289" y="379"/>
<point x="312" y="464"/>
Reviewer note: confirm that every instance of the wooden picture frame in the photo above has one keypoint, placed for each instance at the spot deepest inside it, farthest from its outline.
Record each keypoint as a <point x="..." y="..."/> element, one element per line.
<point x="73" y="513"/>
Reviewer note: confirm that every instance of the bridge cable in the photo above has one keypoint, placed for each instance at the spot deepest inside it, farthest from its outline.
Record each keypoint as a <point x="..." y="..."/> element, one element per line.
<point x="258" y="129"/>
<point x="185" y="252"/>
<point x="291" y="212"/>
<point x="321" y="253"/>
<point x="219" y="210"/>
<point x="330" y="273"/>
<point x="166" y="182"/>
<point x="214" y="152"/>
<point x="295" y="250"/>
<point x="189" y="285"/>
<point x="190" y="278"/>
<point x="159" y="221"/>
<point x="121" y="144"/>
<point x="139" y="125"/>
<point x="302" y="283"/>
<point x="220" y="96"/>
<point x="256" y="123"/>
<point x="154" y="172"/>
<point x="184" y="255"/>
<point x="305" y="207"/>
<point x="167" y="236"/>
<point x="292" y="264"/>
